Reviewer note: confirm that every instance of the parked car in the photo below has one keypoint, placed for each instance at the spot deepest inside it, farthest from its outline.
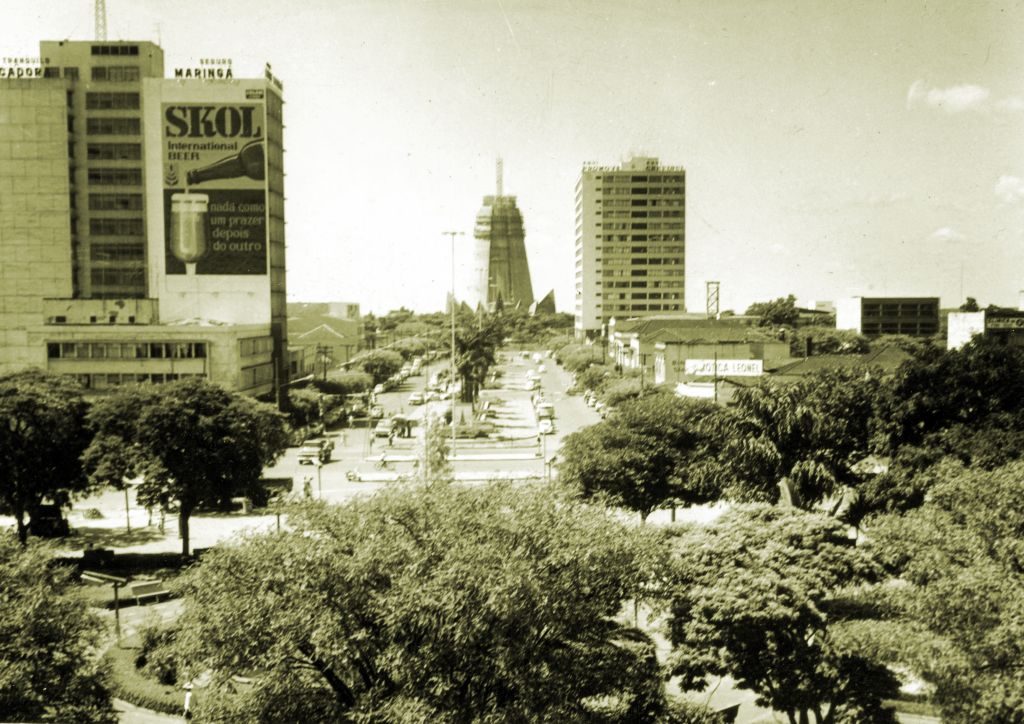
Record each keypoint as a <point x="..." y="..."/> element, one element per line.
<point x="545" y="427"/>
<point x="417" y="398"/>
<point x="376" y="412"/>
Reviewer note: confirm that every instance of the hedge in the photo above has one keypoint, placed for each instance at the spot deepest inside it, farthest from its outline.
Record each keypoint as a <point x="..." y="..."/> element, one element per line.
<point x="131" y="685"/>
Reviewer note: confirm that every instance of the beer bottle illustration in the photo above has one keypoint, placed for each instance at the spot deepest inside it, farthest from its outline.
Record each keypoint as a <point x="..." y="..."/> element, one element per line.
<point x="247" y="162"/>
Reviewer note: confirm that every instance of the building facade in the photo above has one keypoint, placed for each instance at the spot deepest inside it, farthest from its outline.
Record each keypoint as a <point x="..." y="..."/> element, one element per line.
<point x="875" y="316"/>
<point x="149" y="214"/>
<point x="630" y="243"/>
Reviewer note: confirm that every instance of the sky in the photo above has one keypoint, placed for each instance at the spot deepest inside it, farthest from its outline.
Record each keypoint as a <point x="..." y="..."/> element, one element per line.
<point x="832" y="149"/>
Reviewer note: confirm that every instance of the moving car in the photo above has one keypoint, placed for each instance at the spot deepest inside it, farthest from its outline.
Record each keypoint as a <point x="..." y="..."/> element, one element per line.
<point x="417" y="398"/>
<point x="545" y="427"/>
<point x="315" y="450"/>
<point x="383" y="428"/>
<point x="545" y="411"/>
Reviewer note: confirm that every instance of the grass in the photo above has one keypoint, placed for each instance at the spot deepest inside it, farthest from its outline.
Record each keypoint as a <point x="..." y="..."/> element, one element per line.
<point x="131" y="685"/>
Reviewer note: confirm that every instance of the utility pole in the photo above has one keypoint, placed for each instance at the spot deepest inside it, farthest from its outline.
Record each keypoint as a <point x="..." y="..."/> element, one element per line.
<point x="451" y="368"/>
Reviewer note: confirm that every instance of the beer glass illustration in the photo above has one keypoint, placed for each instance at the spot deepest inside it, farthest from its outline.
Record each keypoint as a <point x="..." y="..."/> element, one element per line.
<point x="188" y="227"/>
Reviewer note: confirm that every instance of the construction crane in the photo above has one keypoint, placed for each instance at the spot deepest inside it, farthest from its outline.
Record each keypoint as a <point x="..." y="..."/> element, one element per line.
<point x="101" y="19"/>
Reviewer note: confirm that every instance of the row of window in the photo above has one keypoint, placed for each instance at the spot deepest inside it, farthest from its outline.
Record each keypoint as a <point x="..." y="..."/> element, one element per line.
<point x="640" y="295"/>
<point x="637" y="260"/>
<point x="114" y="151"/>
<point x="255" y="345"/>
<point x="99" y="381"/>
<point x="116" y="73"/>
<point x="256" y="375"/>
<point x="126" y="350"/>
<point x="112" y="126"/>
<point x="134" y="277"/>
<point x="115" y="202"/>
<point x="115" y="176"/>
<point x="641" y="190"/>
<point x="642" y="237"/>
<point x="648" y="284"/>
<point x="910" y="328"/>
<point x="110" y="101"/>
<point x="644" y="249"/>
<point x="641" y="272"/>
<point x="641" y="307"/>
<point x="900" y="310"/>
<point x="627" y="203"/>
<point x="117" y="252"/>
<point x="114" y="49"/>
<point x="116" y="227"/>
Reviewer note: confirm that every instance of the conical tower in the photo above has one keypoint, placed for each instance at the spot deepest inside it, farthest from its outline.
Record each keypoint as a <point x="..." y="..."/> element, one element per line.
<point x="500" y="268"/>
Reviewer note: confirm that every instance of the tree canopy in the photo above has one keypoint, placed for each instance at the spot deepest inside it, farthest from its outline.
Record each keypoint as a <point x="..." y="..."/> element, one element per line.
<point x="43" y="419"/>
<point x="960" y="615"/>
<point x="48" y="668"/>
<point x="755" y="597"/>
<point x="809" y="433"/>
<point x="428" y="603"/>
<point x="191" y="441"/>
<point x="380" y="364"/>
<point x="652" y="450"/>
<point x="777" y="311"/>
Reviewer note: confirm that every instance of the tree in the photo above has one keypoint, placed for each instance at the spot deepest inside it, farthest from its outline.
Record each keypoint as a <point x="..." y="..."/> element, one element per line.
<point x="810" y="341"/>
<point x="808" y="434"/>
<point x="960" y="610"/>
<point x="967" y="386"/>
<point x="970" y="305"/>
<point x="778" y="311"/>
<point x="428" y="603"/>
<point x="48" y="669"/>
<point x="43" y="418"/>
<point x="409" y="347"/>
<point x="476" y="347"/>
<point x="756" y="596"/>
<point x="192" y="442"/>
<point x="345" y="383"/>
<point x="381" y="364"/>
<point x="652" y="450"/>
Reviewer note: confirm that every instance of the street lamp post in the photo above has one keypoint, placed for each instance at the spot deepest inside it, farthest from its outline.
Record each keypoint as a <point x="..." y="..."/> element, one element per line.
<point x="451" y="369"/>
<point x="319" y="486"/>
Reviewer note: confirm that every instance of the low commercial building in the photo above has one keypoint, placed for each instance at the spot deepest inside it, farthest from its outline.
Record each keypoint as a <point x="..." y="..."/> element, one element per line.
<point x="1005" y="325"/>
<point x="677" y="350"/>
<point x="875" y="316"/>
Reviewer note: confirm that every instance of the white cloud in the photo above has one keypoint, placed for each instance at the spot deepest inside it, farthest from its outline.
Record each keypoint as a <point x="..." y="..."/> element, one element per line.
<point x="1012" y="104"/>
<point x="1010" y="189"/>
<point x="946" y="234"/>
<point x="955" y="99"/>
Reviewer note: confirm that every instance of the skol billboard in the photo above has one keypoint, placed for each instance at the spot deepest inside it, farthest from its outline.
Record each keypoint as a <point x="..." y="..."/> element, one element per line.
<point x="215" y="200"/>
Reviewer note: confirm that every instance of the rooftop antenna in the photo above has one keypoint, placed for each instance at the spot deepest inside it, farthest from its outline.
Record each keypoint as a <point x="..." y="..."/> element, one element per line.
<point x="501" y="190"/>
<point x="101" y="19"/>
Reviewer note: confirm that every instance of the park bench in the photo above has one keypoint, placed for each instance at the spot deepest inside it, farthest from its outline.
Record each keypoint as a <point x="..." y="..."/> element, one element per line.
<point x="140" y="590"/>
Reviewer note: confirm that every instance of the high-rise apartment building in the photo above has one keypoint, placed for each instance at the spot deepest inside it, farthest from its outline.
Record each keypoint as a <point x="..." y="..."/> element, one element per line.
<point x="146" y="219"/>
<point x="630" y="242"/>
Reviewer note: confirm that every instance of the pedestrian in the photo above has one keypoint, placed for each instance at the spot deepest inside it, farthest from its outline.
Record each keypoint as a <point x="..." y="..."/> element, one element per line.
<point x="391" y="438"/>
<point x="187" y="713"/>
<point x="307" y="487"/>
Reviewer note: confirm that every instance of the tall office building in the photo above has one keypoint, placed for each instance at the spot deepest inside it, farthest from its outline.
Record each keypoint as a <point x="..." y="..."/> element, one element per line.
<point x="630" y="242"/>
<point x="146" y="219"/>
<point x="500" y="271"/>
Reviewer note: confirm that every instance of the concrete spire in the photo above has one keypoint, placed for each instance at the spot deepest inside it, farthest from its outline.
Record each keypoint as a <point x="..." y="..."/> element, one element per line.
<point x="500" y="173"/>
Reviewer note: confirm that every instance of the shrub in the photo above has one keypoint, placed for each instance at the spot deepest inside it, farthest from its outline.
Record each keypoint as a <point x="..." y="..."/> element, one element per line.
<point x="92" y="514"/>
